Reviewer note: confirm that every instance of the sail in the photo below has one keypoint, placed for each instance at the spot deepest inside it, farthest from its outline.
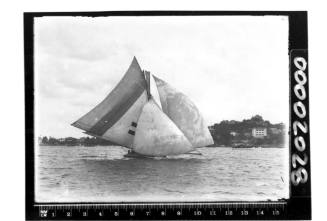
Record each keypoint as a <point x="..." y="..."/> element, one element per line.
<point x="157" y="135"/>
<point x="181" y="110"/>
<point x="125" y="100"/>
<point x="123" y="131"/>
<point x="154" y="91"/>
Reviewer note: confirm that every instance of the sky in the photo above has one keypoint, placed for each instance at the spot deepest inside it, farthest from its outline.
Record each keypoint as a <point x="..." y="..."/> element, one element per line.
<point x="231" y="67"/>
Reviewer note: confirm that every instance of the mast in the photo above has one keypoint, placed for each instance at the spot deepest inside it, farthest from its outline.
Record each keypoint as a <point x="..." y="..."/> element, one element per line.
<point x="147" y="79"/>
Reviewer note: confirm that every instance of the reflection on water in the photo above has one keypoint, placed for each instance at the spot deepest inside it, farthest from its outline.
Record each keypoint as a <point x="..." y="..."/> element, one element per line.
<point x="103" y="174"/>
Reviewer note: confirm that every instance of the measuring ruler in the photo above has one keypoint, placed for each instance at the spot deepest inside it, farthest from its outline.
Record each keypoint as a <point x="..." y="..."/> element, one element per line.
<point x="227" y="210"/>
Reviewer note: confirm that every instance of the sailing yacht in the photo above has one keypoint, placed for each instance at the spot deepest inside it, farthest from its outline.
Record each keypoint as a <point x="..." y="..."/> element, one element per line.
<point x="148" y="116"/>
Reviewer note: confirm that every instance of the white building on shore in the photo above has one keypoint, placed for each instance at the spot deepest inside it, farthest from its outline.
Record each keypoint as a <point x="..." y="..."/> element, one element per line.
<point x="259" y="132"/>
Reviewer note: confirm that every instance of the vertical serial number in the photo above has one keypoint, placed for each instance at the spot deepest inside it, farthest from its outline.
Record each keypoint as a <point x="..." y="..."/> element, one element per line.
<point x="300" y="127"/>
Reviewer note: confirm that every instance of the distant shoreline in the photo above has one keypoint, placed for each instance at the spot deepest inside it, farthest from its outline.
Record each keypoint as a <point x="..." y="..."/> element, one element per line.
<point x="249" y="147"/>
<point x="248" y="133"/>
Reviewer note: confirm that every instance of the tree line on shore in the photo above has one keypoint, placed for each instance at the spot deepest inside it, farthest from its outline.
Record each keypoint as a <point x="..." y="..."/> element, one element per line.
<point x="72" y="141"/>
<point x="230" y="133"/>
<point x="225" y="133"/>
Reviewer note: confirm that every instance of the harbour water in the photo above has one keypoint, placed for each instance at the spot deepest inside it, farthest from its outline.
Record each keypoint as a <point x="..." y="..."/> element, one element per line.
<point x="103" y="174"/>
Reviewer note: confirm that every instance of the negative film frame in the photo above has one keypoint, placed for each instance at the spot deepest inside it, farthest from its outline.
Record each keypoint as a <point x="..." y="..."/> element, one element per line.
<point x="298" y="206"/>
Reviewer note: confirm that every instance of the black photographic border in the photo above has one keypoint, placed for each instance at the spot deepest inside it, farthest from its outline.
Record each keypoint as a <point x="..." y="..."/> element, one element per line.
<point x="298" y="206"/>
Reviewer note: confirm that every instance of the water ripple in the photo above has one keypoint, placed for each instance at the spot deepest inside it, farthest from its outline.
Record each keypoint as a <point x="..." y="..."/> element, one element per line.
<point x="103" y="174"/>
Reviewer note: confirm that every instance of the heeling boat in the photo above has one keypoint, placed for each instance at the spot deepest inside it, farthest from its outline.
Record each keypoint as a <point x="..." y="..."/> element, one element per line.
<point x="148" y="116"/>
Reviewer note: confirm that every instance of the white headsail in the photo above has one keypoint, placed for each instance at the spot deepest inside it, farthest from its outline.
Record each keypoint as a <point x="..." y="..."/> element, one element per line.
<point x="182" y="111"/>
<point x="157" y="135"/>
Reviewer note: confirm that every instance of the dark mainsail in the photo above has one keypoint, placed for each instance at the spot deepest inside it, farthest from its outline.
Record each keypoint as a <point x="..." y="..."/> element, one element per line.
<point x="128" y="93"/>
